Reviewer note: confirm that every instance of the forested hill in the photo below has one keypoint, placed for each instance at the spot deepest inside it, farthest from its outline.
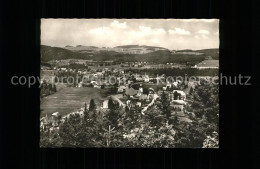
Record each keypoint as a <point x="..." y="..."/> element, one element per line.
<point x="55" y="53"/>
<point x="161" y="56"/>
<point x="214" y="53"/>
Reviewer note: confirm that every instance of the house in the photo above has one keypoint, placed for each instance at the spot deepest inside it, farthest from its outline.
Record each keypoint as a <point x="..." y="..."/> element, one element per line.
<point x="80" y="84"/>
<point x="150" y="97"/>
<point x="99" y="73"/>
<point x="128" y="102"/>
<point x="44" y="122"/>
<point x="93" y="82"/>
<point x="121" y="89"/>
<point x="139" y="79"/>
<point x="178" y="105"/>
<point x="105" y="104"/>
<point x="178" y="95"/>
<point x="140" y="91"/>
<point x="151" y="90"/>
<point x="168" y="85"/>
<point x="146" y="78"/>
<point x="81" y="113"/>
<point x="55" y="118"/>
<point x="143" y="97"/>
<point x="139" y="104"/>
<point x="115" y="70"/>
<point x="129" y="82"/>
<point x="179" y="102"/>
<point x="175" y="84"/>
<point x="55" y="114"/>
<point x="105" y="70"/>
<point x="45" y="68"/>
<point x="97" y="86"/>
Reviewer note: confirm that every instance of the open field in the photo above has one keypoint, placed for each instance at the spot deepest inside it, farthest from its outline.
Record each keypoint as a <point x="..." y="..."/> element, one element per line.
<point x="68" y="100"/>
<point x="209" y="63"/>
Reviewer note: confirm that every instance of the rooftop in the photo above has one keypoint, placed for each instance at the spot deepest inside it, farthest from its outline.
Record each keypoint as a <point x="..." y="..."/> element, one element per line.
<point x="131" y="92"/>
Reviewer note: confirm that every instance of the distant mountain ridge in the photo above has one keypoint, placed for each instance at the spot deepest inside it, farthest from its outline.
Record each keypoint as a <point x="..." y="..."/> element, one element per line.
<point x="137" y="46"/>
<point x="130" y="49"/>
<point x="103" y="54"/>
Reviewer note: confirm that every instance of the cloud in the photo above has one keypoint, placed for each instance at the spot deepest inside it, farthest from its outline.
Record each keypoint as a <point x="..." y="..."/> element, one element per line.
<point x="146" y="31"/>
<point x="208" y="20"/>
<point x="170" y="33"/>
<point x="200" y="20"/>
<point x="101" y="31"/>
<point x="127" y="41"/>
<point x="196" y="37"/>
<point x="142" y="41"/>
<point x="118" y="24"/>
<point x="155" y="40"/>
<point x="159" y="31"/>
<point x="204" y="36"/>
<point x="203" y="32"/>
<point x="179" y="31"/>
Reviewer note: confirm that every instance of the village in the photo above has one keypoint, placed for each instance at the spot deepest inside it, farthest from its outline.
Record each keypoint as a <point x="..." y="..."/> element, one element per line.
<point x="134" y="94"/>
<point x="126" y="88"/>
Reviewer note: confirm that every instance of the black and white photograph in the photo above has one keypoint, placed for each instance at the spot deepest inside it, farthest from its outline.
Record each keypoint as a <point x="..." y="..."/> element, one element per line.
<point x="129" y="83"/>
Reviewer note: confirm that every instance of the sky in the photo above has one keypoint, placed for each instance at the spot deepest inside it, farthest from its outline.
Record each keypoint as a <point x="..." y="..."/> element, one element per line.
<point x="173" y="34"/>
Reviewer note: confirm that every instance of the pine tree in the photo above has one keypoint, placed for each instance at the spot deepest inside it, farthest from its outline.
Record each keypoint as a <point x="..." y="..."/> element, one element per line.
<point x="126" y="109"/>
<point x="132" y="116"/>
<point x="54" y="88"/>
<point x="165" y="105"/>
<point x="112" y="115"/>
<point x="155" y="117"/>
<point x="92" y="105"/>
<point x="111" y="105"/>
<point x="86" y="114"/>
<point x="111" y="118"/>
<point x="191" y="91"/>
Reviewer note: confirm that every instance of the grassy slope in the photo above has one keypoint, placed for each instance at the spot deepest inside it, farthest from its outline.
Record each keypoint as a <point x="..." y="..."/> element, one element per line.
<point x="68" y="100"/>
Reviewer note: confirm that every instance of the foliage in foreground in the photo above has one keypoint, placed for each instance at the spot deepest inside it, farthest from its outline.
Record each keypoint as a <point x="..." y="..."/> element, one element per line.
<point x="127" y="127"/>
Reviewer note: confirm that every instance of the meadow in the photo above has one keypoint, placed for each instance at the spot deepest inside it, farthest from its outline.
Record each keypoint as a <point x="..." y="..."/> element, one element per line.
<point x="71" y="99"/>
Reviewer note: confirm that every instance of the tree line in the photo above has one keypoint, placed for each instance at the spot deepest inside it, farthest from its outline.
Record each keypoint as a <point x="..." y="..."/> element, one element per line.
<point x="176" y="71"/>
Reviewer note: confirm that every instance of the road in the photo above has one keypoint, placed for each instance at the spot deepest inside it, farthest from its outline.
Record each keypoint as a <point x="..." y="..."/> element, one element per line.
<point x="150" y="104"/>
<point x="116" y="98"/>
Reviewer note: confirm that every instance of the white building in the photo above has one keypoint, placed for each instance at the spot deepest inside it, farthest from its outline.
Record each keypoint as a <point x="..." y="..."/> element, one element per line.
<point x="146" y="78"/>
<point x="105" y="104"/>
